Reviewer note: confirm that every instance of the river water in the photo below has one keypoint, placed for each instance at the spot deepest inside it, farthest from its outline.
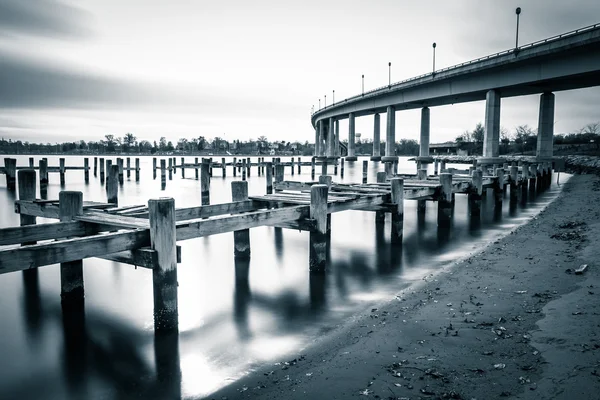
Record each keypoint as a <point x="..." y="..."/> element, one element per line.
<point x="228" y="327"/>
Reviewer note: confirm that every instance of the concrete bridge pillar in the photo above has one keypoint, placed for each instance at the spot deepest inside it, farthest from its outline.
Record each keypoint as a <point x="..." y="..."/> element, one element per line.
<point x="390" y="140"/>
<point x="424" y="157"/>
<point x="337" y="139"/>
<point x="317" y="139"/>
<point x="545" y="126"/>
<point x="351" y="138"/>
<point x="331" y="139"/>
<point x="322" y="130"/>
<point x="491" y="140"/>
<point x="376" y="138"/>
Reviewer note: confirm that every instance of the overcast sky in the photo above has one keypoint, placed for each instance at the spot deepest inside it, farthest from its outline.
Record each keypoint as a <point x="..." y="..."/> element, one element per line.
<point x="72" y="70"/>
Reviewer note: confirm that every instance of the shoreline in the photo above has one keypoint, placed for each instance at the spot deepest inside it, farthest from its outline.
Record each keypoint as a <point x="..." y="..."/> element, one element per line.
<point x="507" y="321"/>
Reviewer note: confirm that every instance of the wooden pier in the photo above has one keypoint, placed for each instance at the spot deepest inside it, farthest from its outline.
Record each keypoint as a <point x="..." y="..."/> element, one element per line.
<point x="147" y="235"/>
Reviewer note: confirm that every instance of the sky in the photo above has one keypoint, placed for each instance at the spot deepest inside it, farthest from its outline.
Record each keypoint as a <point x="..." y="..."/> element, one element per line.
<point x="239" y="69"/>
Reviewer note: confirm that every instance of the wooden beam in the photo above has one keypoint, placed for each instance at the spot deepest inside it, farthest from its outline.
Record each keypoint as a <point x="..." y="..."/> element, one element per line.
<point x="198" y="228"/>
<point x="119" y="221"/>
<point x="144" y="257"/>
<point x="26" y="207"/>
<point x="34" y="233"/>
<point x="354" y="204"/>
<point x="213" y="210"/>
<point x="65" y="250"/>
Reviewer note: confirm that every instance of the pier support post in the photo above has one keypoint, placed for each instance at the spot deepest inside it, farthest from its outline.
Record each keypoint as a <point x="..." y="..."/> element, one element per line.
<point x="234" y="163"/>
<point x="445" y="201"/>
<point x="128" y="164"/>
<point x="498" y="190"/>
<point x="95" y="167"/>
<point x="205" y="182"/>
<point x="196" y="167"/>
<point x="248" y="166"/>
<point x="164" y="274"/>
<point x="435" y="167"/>
<point x="351" y="138"/>
<point x="120" y="165"/>
<point x="422" y="174"/>
<point x="224" y="170"/>
<point x="532" y="178"/>
<point x="317" y="139"/>
<point x="101" y="170"/>
<point x="269" y="178"/>
<point x="278" y="173"/>
<point x="153" y="167"/>
<point x="342" y="168"/>
<point x="514" y="174"/>
<point x="376" y="138"/>
<point x="318" y="236"/>
<point x="380" y="215"/>
<point x="31" y="162"/>
<point x="170" y="168"/>
<point x="137" y="169"/>
<point x="313" y="162"/>
<point x="292" y="166"/>
<point x="244" y="169"/>
<point x="424" y="156"/>
<point x="365" y="171"/>
<point x="390" y="137"/>
<point x="163" y="174"/>
<point x="86" y="170"/>
<point x="44" y="173"/>
<point x="182" y="167"/>
<point x="241" y="238"/>
<point x="524" y="182"/>
<point x="299" y="166"/>
<point x="71" y="273"/>
<point x="112" y="185"/>
<point x="397" y="194"/>
<point x="61" y="170"/>
<point x="475" y="193"/>
<point x="27" y="191"/>
<point x="324" y="166"/>
<point x="545" y="131"/>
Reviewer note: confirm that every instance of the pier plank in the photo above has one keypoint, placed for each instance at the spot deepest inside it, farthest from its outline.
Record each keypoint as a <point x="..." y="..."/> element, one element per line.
<point x="34" y="233"/>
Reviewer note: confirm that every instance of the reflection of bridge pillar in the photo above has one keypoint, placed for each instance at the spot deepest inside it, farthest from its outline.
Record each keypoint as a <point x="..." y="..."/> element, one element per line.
<point x="376" y="138"/>
<point x="390" y="139"/>
<point x="491" y="140"/>
<point x="545" y="126"/>
<point x="330" y="139"/>
<point x="351" y="138"/>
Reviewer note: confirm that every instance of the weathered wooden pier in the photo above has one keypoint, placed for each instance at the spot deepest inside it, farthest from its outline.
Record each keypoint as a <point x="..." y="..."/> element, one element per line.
<point x="147" y="235"/>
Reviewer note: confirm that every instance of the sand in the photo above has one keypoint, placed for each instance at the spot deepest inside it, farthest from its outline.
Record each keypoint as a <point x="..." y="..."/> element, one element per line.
<point x="507" y="322"/>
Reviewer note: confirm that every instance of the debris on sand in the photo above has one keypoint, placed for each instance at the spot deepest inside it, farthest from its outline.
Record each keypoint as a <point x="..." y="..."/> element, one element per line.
<point x="578" y="271"/>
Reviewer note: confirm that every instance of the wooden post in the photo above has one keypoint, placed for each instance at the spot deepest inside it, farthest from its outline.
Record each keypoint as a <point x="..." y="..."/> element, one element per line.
<point x="61" y="170"/>
<point x="241" y="238"/>
<point x="342" y="169"/>
<point x="279" y="173"/>
<point x="43" y="173"/>
<point x="312" y="167"/>
<point x="120" y="165"/>
<point x="223" y="166"/>
<point x="174" y="164"/>
<point x="380" y="215"/>
<point x="524" y="181"/>
<point x="205" y="182"/>
<point x="71" y="273"/>
<point x="443" y="166"/>
<point x="108" y="166"/>
<point x="164" y="274"/>
<point x="499" y="189"/>
<point x="210" y="167"/>
<point x="182" y="167"/>
<point x="128" y="164"/>
<point x="196" y="167"/>
<point x="27" y="191"/>
<point x="95" y="167"/>
<point x="171" y="167"/>
<point x="234" y="166"/>
<point x="248" y="165"/>
<point x="364" y="171"/>
<point x="325" y="180"/>
<point x="435" y="167"/>
<point x="540" y="178"/>
<point x="395" y="167"/>
<point x="299" y="165"/>
<point x="514" y="173"/>
<point x="86" y="170"/>
<point x="243" y="169"/>
<point x="292" y="165"/>
<point x="397" y="210"/>
<point x="422" y="174"/>
<point x="112" y="185"/>
<point x="475" y="193"/>
<point x="137" y="169"/>
<point x="445" y="201"/>
<point x="335" y="166"/>
<point x="163" y="174"/>
<point x="318" y="236"/>
<point x="269" y="178"/>
<point x="101" y="170"/>
<point x="10" y="170"/>
<point x="532" y="177"/>
<point x="31" y="162"/>
<point x="154" y="167"/>
<point x="239" y="166"/>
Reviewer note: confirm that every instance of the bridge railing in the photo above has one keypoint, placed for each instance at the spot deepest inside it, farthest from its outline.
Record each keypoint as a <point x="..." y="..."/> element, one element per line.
<point x="484" y="58"/>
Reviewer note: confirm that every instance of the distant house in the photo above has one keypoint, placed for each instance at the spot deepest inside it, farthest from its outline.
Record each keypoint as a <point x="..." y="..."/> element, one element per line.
<point x="461" y="149"/>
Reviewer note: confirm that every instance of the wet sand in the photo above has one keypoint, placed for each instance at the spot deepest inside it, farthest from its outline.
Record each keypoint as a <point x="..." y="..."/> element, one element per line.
<point x="506" y="322"/>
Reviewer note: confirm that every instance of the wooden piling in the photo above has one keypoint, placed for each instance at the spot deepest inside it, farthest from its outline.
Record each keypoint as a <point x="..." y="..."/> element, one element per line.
<point x="86" y="170"/>
<point x="474" y="196"/>
<point x="71" y="273"/>
<point x="128" y="164"/>
<point x="312" y="167"/>
<point x="112" y="185"/>
<point x="196" y="167"/>
<point x="325" y="180"/>
<point x="244" y="169"/>
<point x="137" y="169"/>
<point x="182" y="167"/>
<point x="365" y="166"/>
<point x="27" y="191"/>
<point x="435" y="167"/>
<point x="205" y="182"/>
<point x="269" y="177"/>
<point x="514" y="174"/>
<point x="101" y="170"/>
<point x="443" y="166"/>
<point x="61" y="170"/>
<point x="499" y="189"/>
<point x="342" y="168"/>
<point x="299" y="165"/>
<point x="43" y="173"/>
<point x="163" y="174"/>
<point x="241" y="238"/>
<point x="445" y="200"/>
<point x="224" y="172"/>
<point x="318" y="236"/>
<point x="335" y="167"/>
<point x="524" y="181"/>
<point x="108" y="166"/>
<point x="292" y="165"/>
<point x="422" y="174"/>
<point x="171" y="167"/>
<point x="380" y="215"/>
<point x="248" y="165"/>
<point x="234" y="163"/>
<point x="95" y="167"/>
<point x="164" y="274"/>
<point x="154" y="167"/>
<point x="279" y="173"/>
<point x="120" y="165"/>
<point x="397" y="210"/>
<point x="532" y="177"/>
<point x="31" y="162"/>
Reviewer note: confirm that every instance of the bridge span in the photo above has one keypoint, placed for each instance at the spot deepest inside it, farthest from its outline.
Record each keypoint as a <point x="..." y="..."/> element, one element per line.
<point x="564" y="62"/>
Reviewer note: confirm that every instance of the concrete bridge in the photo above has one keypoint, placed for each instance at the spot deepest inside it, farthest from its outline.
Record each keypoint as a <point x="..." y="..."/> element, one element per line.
<point x="564" y="62"/>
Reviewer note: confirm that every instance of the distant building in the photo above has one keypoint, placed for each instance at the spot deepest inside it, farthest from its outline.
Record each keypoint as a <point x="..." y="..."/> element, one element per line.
<point x="461" y="149"/>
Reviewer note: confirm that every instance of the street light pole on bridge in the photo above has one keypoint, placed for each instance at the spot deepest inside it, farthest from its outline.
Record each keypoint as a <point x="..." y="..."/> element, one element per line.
<point x="518" y="12"/>
<point x="389" y="74"/>
<point x="363" y="85"/>
<point x="434" y="46"/>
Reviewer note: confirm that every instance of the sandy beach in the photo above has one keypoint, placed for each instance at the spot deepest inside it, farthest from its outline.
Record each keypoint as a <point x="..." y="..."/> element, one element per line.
<point x="512" y="321"/>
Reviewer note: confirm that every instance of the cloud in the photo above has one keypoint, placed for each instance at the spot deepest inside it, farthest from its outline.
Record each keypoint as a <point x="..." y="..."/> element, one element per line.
<point x="42" y="18"/>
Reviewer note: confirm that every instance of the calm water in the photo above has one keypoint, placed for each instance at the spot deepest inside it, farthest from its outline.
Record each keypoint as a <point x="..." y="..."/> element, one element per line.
<point x="227" y="326"/>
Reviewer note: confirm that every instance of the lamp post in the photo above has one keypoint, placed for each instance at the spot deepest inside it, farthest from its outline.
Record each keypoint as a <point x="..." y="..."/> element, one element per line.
<point x="389" y="74"/>
<point x="434" y="46"/>
<point x="518" y="12"/>
<point x="363" y="85"/>
<point x="333" y="100"/>
<point x="319" y="104"/>
<point x="325" y="101"/>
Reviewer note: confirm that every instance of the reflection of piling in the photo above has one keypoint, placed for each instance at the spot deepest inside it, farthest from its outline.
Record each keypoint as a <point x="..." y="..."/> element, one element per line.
<point x="101" y="170"/>
<point x="269" y="177"/>
<point x="95" y="167"/>
<point x="380" y="215"/>
<point x="71" y="272"/>
<point x="365" y="166"/>
<point x="514" y="174"/>
<point x="112" y="185"/>
<point x="241" y="238"/>
<point x="224" y="172"/>
<point x="445" y="200"/>
<point x="435" y="167"/>
<point x="318" y="236"/>
<point x="292" y="166"/>
<point x="182" y="167"/>
<point x="397" y="209"/>
<point x="164" y="274"/>
<point x="205" y="182"/>
<point x="299" y="166"/>
<point x="532" y="178"/>
<point x="475" y="193"/>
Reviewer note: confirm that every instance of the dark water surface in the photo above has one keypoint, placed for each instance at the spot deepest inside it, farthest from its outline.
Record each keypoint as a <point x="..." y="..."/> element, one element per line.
<point x="228" y="326"/>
